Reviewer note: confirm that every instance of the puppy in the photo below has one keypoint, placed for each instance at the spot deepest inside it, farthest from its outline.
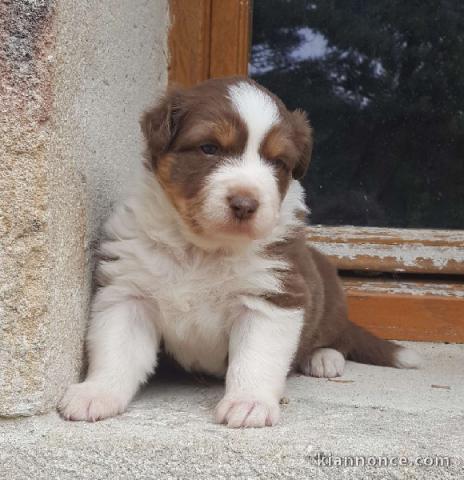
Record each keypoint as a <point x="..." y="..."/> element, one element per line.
<point x="208" y="258"/>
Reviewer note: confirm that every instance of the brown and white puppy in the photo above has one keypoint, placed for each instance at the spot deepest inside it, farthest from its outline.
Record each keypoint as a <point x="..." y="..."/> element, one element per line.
<point x="208" y="256"/>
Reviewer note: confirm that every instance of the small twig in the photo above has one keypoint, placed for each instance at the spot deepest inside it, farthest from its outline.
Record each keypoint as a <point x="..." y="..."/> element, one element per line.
<point x="339" y="380"/>
<point x="445" y="387"/>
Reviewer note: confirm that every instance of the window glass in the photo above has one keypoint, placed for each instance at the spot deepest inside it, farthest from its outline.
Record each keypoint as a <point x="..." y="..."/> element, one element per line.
<point x="383" y="84"/>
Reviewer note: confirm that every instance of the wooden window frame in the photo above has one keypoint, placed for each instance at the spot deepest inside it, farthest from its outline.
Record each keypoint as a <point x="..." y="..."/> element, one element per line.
<point x="211" y="38"/>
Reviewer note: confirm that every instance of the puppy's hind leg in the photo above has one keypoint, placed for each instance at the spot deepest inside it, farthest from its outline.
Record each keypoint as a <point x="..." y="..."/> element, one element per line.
<point x="122" y="345"/>
<point x="323" y="362"/>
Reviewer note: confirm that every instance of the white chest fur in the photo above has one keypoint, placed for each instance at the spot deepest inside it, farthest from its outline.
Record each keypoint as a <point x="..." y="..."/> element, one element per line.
<point x="197" y="298"/>
<point x="197" y="294"/>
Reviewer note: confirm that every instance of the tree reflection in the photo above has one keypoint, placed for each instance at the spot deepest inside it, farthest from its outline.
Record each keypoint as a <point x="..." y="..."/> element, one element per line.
<point x="383" y="83"/>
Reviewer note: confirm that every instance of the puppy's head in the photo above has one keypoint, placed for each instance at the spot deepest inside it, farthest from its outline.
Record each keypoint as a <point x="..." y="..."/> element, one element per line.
<point x="225" y="152"/>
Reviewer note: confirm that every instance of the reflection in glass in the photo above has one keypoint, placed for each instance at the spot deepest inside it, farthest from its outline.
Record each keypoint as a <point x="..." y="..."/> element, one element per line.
<point x="383" y="84"/>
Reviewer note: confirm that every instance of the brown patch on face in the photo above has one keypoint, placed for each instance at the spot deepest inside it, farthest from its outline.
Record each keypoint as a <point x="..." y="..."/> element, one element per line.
<point x="280" y="151"/>
<point x="184" y="120"/>
<point x="185" y="192"/>
<point x="176" y="129"/>
<point x="288" y="145"/>
<point x="278" y="144"/>
<point x="228" y="133"/>
<point x="185" y="171"/>
<point x="231" y="134"/>
<point x="299" y="131"/>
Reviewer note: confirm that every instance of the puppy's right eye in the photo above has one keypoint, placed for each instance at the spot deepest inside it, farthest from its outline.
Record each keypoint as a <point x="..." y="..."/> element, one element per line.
<point x="209" y="149"/>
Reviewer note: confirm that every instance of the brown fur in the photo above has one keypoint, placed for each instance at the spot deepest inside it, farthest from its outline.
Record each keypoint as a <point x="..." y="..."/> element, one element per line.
<point x="313" y="284"/>
<point x="279" y="149"/>
<point x="301" y="134"/>
<point x="175" y="130"/>
<point x="186" y="119"/>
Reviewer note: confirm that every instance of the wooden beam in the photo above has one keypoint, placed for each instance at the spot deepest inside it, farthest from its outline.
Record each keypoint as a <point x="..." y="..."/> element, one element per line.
<point x="189" y="41"/>
<point x="391" y="249"/>
<point x="230" y="37"/>
<point x="408" y="310"/>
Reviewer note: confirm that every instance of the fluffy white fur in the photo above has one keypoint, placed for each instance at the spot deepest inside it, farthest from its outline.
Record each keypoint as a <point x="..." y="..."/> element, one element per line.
<point x="246" y="175"/>
<point x="325" y="362"/>
<point x="204" y="305"/>
<point x="407" y="358"/>
<point x="203" y="302"/>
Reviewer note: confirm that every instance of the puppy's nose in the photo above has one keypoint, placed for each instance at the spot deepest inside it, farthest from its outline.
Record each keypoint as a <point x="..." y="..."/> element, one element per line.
<point x="242" y="206"/>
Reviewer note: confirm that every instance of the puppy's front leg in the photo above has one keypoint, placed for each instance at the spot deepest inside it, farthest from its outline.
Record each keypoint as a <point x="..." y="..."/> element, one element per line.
<point x="122" y="345"/>
<point x="261" y="348"/>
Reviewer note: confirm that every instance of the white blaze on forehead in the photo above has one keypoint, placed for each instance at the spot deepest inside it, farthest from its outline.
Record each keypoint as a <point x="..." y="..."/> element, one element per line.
<point x="246" y="173"/>
<point x="257" y="109"/>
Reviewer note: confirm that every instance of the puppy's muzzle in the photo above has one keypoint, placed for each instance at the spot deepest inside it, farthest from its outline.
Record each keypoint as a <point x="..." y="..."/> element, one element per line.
<point x="243" y="207"/>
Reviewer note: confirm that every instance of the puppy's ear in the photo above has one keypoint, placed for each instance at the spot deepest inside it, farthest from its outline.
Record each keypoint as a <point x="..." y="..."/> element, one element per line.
<point x="303" y="137"/>
<point x="160" y="124"/>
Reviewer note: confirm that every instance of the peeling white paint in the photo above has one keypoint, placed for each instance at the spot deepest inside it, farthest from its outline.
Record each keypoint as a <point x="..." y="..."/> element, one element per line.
<point x="407" y="255"/>
<point x="449" y="290"/>
<point x="426" y="251"/>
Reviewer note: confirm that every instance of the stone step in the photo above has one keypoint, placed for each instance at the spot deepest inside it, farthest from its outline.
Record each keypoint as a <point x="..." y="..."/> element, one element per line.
<point x="371" y="414"/>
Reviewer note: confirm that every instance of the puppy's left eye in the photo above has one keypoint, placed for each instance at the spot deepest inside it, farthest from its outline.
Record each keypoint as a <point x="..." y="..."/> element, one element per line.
<point x="280" y="164"/>
<point x="209" y="149"/>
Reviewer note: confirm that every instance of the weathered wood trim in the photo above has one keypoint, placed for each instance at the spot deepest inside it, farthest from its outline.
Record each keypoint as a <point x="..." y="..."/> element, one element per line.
<point x="423" y="287"/>
<point x="230" y="37"/>
<point x="189" y="41"/>
<point x="414" y="310"/>
<point x="391" y="250"/>
<point x="208" y="39"/>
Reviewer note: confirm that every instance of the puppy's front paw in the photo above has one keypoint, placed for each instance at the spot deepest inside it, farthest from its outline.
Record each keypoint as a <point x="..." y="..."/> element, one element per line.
<point x="90" y="401"/>
<point x="246" y="411"/>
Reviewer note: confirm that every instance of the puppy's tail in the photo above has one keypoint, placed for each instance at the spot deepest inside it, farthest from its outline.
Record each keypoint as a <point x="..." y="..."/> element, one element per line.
<point x="364" y="347"/>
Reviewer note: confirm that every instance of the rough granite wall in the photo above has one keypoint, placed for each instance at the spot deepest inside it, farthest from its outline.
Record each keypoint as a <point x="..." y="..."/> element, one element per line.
<point x="74" y="78"/>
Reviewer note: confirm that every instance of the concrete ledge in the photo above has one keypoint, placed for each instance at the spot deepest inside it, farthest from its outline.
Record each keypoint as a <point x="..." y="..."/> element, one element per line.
<point x="168" y="433"/>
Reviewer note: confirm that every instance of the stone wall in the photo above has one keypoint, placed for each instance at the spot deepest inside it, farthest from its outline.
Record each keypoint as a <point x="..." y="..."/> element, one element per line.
<point x="74" y="78"/>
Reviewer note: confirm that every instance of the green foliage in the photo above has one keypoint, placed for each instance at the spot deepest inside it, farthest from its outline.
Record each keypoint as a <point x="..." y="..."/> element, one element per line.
<point x="386" y="100"/>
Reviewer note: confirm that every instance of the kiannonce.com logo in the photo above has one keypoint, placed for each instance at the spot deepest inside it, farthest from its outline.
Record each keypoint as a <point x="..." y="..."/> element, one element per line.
<point x="328" y="460"/>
